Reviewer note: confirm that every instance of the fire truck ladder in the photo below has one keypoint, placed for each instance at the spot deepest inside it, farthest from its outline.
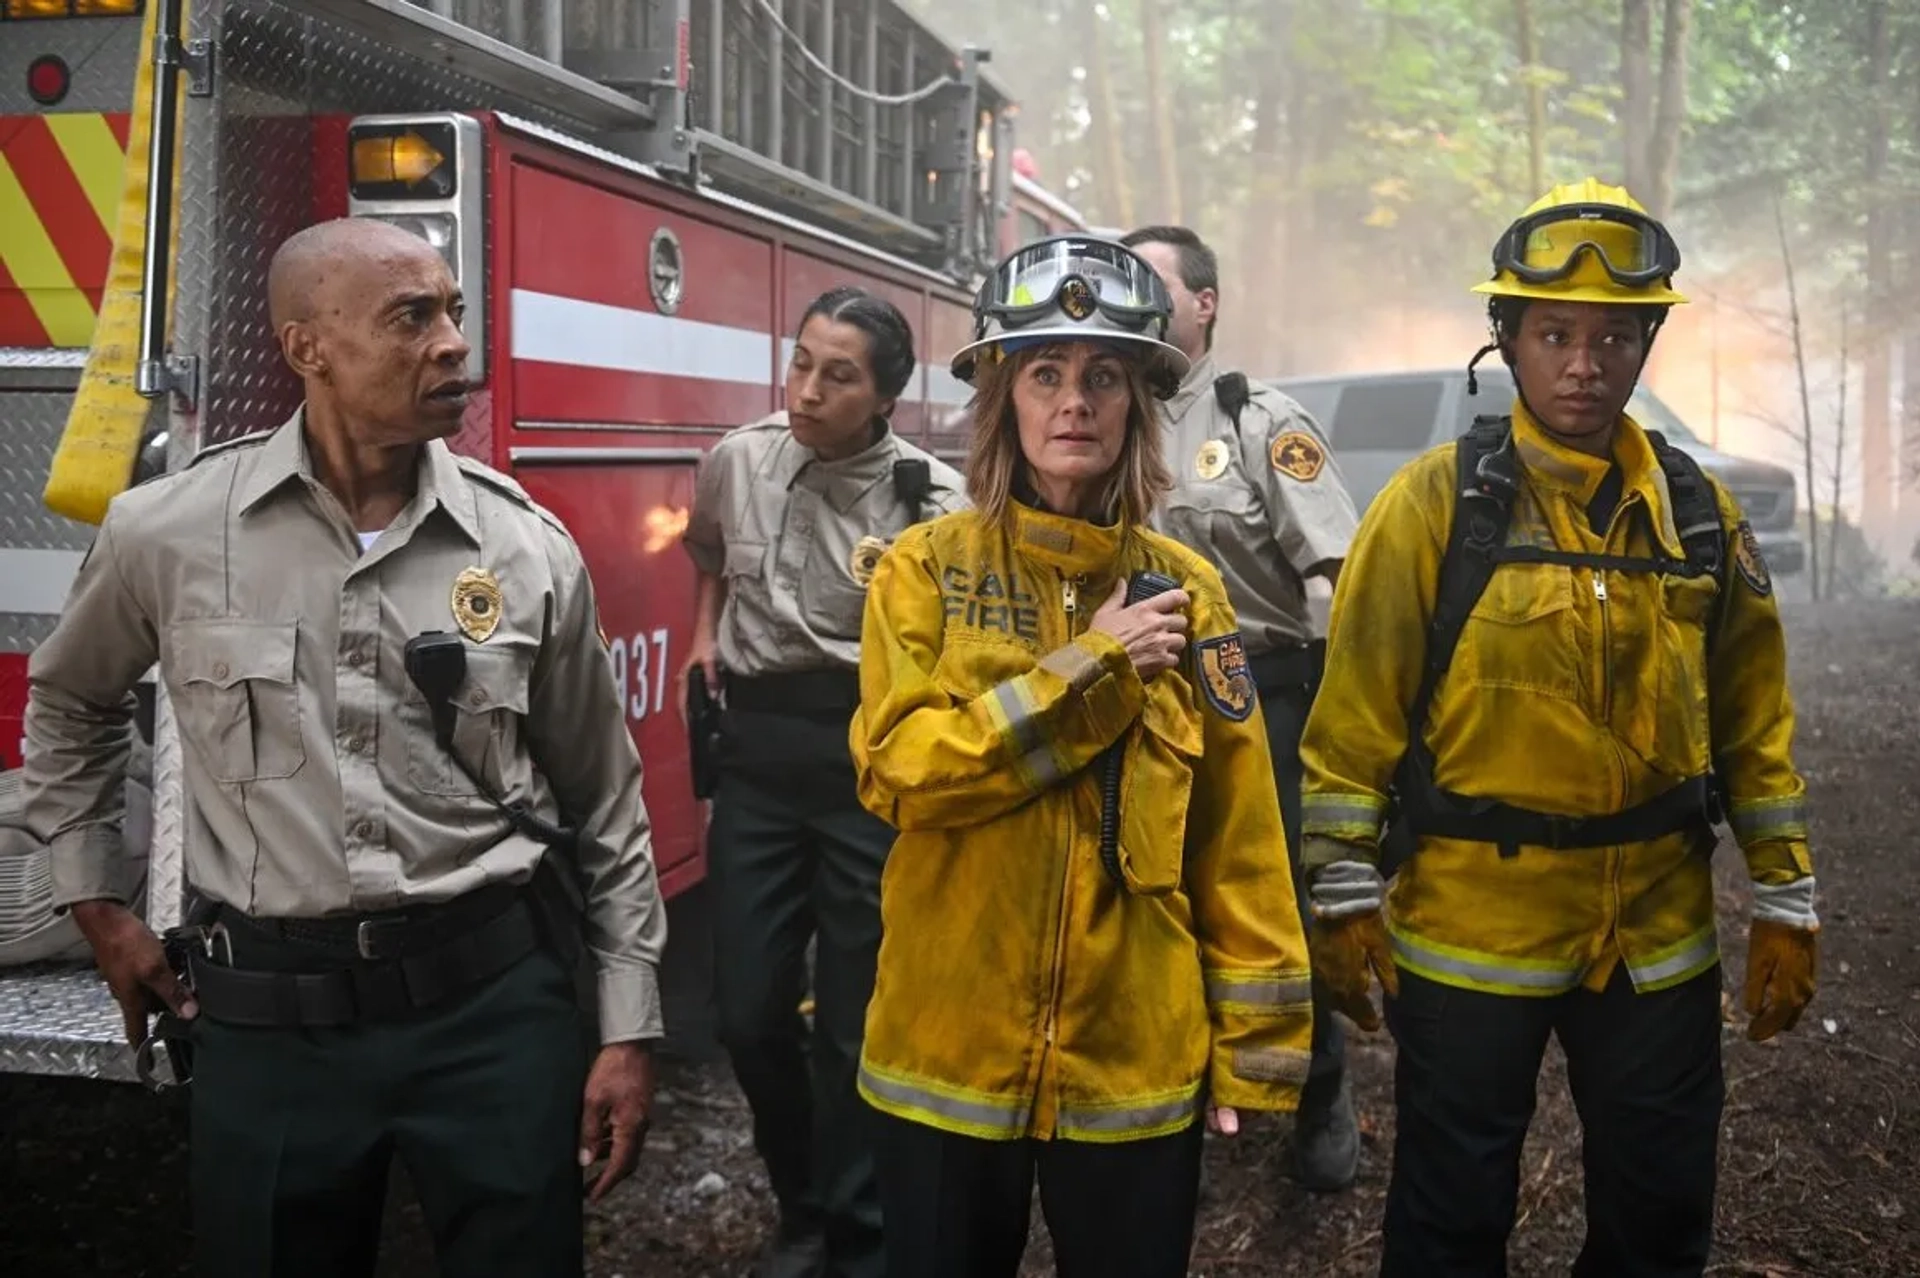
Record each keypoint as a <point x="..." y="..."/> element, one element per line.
<point x="851" y="114"/>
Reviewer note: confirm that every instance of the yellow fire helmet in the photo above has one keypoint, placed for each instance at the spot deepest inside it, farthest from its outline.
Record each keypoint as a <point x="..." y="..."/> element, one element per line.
<point x="1586" y="242"/>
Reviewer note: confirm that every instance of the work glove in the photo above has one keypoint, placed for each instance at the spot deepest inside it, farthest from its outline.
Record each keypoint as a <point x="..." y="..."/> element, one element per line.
<point x="1782" y="954"/>
<point x="1347" y="944"/>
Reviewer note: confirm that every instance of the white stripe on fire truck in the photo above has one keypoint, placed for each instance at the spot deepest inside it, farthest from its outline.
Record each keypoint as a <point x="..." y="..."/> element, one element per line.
<point x="566" y="330"/>
<point x="37" y="581"/>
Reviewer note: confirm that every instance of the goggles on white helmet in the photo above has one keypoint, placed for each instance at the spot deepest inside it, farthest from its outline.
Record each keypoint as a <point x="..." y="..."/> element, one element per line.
<point x="1075" y="288"/>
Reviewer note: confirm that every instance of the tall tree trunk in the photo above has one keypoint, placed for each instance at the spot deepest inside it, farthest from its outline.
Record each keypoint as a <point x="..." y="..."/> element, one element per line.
<point x="1906" y="514"/>
<point x="1110" y="176"/>
<point x="1839" y="466"/>
<point x="1663" y="146"/>
<point x="1531" y="76"/>
<point x="1263" y="219"/>
<point x="1876" y="364"/>
<point x="1908" y="496"/>
<point x="1806" y="404"/>
<point x="1160" y="110"/>
<point x="1636" y="93"/>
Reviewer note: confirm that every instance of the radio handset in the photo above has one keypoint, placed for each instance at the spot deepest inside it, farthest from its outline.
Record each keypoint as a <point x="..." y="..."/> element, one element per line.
<point x="436" y="662"/>
<point x="1142" y="587"/>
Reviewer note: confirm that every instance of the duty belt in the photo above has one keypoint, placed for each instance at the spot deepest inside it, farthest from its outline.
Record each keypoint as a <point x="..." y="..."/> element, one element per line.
<point x="310" y="973"/>
<point x="796" y="692"/>
<point x="1290" y="671"/>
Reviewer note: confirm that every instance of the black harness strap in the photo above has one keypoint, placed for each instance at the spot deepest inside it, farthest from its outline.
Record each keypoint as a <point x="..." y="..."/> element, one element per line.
<point x="1488" y="475"/>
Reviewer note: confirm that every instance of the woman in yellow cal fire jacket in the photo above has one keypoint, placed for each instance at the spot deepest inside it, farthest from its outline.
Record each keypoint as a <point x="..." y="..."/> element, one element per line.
<point x="1618" y="682"/>
<point x="1080" y="951"/>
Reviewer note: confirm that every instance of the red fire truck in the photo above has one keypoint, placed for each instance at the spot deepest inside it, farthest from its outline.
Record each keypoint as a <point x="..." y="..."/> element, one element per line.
<point x="639" y="200"/>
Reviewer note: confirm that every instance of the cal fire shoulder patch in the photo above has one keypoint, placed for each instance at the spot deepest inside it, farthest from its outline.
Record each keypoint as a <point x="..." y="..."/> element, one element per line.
<point x="1747" y="558"/>
<point x="1297" y="455"/>
<point x="1224" y="675"/>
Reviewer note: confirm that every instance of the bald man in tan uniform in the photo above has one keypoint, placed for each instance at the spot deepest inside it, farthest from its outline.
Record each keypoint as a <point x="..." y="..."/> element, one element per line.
<point x="372" y="975"/>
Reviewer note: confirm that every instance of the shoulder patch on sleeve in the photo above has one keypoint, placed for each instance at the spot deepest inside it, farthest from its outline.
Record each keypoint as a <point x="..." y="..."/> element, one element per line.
<point x="1747" y="558"/>
<point x="1297" y="455"/>
<point x="1224" y="676"/>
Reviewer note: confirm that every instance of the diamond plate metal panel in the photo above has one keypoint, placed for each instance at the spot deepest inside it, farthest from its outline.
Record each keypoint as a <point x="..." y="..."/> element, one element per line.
<point x="166" y="854"/>
<point x="101" y="54"/>
<point x="61" y="1020"/>
<point x="30" y="426"/>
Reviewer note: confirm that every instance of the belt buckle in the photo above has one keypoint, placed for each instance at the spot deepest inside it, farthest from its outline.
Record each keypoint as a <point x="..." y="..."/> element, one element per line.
<point x="1559" y="830"/>
<point x="363" y="937"/>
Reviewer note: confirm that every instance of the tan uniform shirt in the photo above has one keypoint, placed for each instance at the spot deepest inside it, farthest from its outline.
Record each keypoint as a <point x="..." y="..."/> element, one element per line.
<point x="307" y="752"/>
<point x="796" y="539"/>
<point x="1265" y="504"/>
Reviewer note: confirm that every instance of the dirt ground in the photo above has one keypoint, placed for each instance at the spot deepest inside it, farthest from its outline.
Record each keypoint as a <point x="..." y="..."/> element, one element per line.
<point x="1820" y="1157"/>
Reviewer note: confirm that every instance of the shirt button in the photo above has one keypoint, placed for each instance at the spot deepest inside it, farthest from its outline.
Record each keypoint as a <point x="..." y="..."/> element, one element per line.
<point x="356" y="745"/>
<point x="476" y="698"/>
<point x="363" y="830"/>
<point x="220" y="670"/>
<point x="356" y="659"/>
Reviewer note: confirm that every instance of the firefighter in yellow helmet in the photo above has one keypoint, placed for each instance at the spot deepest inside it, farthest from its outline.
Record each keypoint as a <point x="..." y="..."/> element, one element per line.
<point x="1089" y="928"/>
<point x="1556" y="647"/>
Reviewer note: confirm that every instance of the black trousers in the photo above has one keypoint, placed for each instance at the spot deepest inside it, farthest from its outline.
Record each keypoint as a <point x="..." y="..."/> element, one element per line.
<point x="293" y="1131"/>
<point x="1285" y="712"/>
<point x="791" y="856"/>
<point x="1645" y="1075"/>
<point x="957" y="1207"/>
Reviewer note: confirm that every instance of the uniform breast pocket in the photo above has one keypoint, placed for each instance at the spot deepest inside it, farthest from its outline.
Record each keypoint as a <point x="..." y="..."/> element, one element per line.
<point x="489" y="711"/>
<point x="744" y="559"/>
<point x="1164" y="748"/>
<point x="833" y="601"/>
<point x="1523" y="633"/>
<point x="234" y="692"/>
<point x="1683" y="733"/>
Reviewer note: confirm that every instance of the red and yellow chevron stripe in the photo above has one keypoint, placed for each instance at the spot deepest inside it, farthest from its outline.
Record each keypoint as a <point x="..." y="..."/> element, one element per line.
<point x="60" y="178"/>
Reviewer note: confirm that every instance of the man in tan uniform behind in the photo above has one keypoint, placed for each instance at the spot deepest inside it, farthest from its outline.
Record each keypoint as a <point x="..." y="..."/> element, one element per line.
<point x="1257" y="491"/>
<point x="371" y="976"/>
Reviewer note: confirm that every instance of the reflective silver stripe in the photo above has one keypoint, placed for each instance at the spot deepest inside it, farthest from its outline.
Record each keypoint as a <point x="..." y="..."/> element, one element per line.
<point x="1000" y="1116"/>
<point x="1341" y="814"/>
<point x="1037" y="765"/>
<point x="1695" y="955"/>
<point x="1130" y="1118"/>
<point x="1080" y="668"/>
<point x="1757" y="819"/>
<point x="1483" y="971"/>
<point x="1280" y="991"/>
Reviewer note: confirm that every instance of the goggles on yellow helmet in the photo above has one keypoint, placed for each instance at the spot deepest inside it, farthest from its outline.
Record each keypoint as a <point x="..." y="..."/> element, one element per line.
<point x="1071" y="277"/>
<point x="1545" y="247"/>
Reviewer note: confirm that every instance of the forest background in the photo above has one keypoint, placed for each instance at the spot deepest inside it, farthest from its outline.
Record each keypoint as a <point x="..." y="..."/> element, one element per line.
<point x="1352" y="162"/>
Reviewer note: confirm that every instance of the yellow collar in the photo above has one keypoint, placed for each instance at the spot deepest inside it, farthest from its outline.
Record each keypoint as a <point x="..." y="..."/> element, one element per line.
<point x="1074" y="546"/>
<point x="1552" y="465"/>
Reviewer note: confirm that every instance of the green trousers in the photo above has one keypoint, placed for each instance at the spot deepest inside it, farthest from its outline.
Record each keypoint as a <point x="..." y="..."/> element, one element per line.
<point x="793" y="857"/>
<point x="293" y="1131"/>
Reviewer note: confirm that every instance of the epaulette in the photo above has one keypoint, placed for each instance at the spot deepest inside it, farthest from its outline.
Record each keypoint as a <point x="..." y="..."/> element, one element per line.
<point x="226" y="446"/>
<point x="498" y="480"/>
<point x="509" y="487"/>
